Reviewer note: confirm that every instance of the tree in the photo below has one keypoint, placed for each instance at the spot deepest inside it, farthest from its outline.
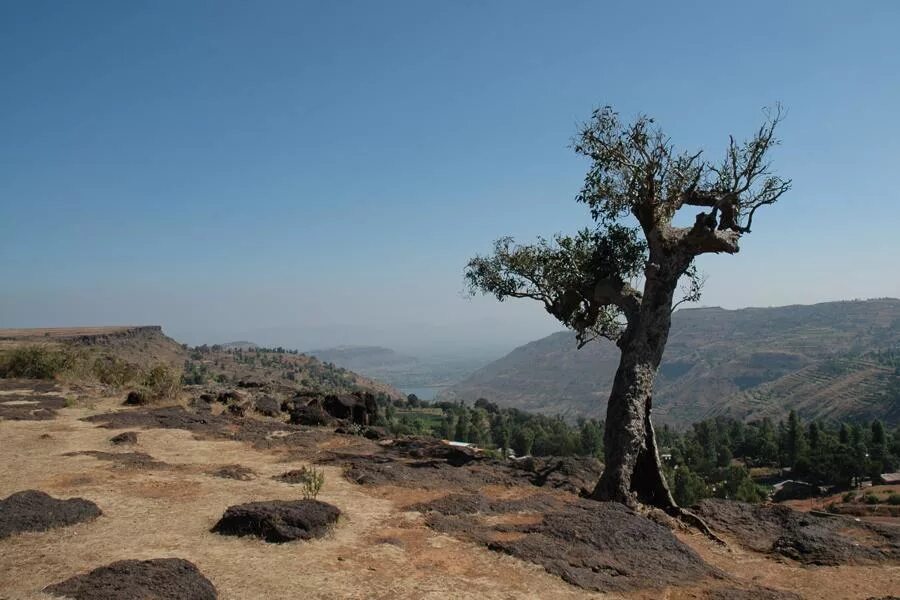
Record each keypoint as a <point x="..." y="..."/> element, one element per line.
<point x="636" y="183"/>
<point x="796" y="442"/>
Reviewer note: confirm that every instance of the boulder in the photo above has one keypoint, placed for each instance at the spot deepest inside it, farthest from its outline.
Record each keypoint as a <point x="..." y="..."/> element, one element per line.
<point x="358" y="408"/>
<point x="278" y="521"/>
<point x="267" y="406"/>
<point x="33" y="510"/>
<point x="312" y="416"/>
<point x="155" y="579"/>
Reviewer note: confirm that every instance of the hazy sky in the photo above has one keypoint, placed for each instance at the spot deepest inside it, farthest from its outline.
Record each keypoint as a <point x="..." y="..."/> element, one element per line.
<point x="315" y="173"/>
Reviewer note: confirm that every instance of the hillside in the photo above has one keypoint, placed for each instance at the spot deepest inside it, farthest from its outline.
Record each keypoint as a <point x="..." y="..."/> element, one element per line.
<point x="91" y="351"/>
<point x="835" y="360"/>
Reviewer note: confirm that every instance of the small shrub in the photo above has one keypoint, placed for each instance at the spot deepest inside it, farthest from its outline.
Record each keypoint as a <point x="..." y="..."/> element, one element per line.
<point x="870" y="498"/>
<point x="313" y="482"/>
<point x="894" y="499"/>
<point x="849" y="497"/>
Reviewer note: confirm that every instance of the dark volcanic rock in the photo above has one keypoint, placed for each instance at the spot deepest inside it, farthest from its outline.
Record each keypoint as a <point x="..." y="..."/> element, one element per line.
<point x="126" y="437"/>
<point x="574" y="474"/>
<point x="28" y="407"/>
<point x="156" y="579"/>
<point x="128" y="460"/>
<point x="358" y="408"/>
<point x="600" y="546"/>
<point x="229" y="396"/>
<point x="804" y="537"/>
<point x="238" y="410"/>
<point x="207" y="425"/>
<point x="238" y="472"/>
<point x="267" y="406"/>
<point x="311" y="416"/>
<point x="424" y="447"/>
<point x="136" y="398"/>
<point x="296" y="476"/>
<point x="33" y="510"/>
<point x="279" y="520"/>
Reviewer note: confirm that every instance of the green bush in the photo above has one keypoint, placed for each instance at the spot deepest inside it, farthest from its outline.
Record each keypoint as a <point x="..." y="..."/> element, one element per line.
<point x="894" y="499"/>
<point x="849" y="497"/>
<point x="111" y="370"/>
<point x="870" y="498"/>
<point x="161" y="382"/>
<point x="35" y="362"/>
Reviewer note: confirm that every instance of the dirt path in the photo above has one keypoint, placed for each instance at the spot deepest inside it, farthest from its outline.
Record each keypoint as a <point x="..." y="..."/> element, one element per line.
<point x="377" y="550"/>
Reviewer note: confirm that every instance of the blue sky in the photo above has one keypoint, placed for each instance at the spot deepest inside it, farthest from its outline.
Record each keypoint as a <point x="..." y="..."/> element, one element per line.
<point x="315" y="173"/>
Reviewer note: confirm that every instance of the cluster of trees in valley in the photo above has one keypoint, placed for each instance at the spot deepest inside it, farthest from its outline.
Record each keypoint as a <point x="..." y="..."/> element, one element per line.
<point x="721" y="457"/>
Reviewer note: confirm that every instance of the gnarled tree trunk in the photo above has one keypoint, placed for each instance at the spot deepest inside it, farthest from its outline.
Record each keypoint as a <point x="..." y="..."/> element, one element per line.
<point x="633" y="473"/>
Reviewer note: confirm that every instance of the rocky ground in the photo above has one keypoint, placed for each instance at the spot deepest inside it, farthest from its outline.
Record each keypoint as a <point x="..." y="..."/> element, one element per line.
<point x="85" y="509"/>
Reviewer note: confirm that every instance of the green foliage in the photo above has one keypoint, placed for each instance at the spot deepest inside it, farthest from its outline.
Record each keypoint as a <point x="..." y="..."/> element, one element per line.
<point x="563" y="274"/>
<point x="870" y="498"/>
<point x="312" y="480"/>
<point x="894" y="499"/>
<point x="195" y="373"/>
<point x="35" y="362"/>
<point x="687" y="487"/>
<point x="161" y="382"/>
<point x="112" y="370"/>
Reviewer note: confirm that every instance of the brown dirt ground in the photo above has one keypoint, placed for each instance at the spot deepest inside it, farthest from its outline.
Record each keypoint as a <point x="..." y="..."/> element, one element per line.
<point x="379" y="549"/>
<point x="376" y="551"/>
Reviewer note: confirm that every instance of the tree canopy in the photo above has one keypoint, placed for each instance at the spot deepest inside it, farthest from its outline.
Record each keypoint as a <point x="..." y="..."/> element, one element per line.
<point x="636" y="183"/>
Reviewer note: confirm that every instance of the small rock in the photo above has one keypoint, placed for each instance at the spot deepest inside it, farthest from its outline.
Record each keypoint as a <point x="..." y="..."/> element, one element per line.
<point x="126" y="437"/>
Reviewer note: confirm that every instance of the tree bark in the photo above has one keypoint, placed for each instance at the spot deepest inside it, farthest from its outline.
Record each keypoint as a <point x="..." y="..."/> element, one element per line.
<point x="633" y="473"/>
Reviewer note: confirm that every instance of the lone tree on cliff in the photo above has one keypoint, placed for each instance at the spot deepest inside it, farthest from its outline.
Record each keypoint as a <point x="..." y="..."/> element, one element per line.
<point x="636" y="183"/>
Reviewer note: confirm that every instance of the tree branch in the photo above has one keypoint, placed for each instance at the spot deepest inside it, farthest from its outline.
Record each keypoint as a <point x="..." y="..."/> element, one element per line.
<point x="704" y="239"/>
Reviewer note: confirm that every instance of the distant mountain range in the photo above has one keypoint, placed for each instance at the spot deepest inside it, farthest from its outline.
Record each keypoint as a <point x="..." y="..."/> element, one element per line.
<point x="830" y="361"/>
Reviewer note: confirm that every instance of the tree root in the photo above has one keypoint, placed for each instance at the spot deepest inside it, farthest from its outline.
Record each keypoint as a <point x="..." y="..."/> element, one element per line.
<point x="693" y="520"/>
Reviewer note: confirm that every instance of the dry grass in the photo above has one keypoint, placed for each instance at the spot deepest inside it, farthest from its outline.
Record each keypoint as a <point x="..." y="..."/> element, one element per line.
<point x="815" y="583"/>
<point x="168" y="513"/>
<point x="378" y="550"/>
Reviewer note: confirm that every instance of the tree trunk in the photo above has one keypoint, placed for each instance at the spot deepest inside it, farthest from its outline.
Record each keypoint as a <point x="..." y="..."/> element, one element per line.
<point x="633" y="473"/>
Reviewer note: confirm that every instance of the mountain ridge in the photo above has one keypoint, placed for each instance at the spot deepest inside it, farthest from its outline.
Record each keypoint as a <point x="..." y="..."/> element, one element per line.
<point x="826" y="360"/>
